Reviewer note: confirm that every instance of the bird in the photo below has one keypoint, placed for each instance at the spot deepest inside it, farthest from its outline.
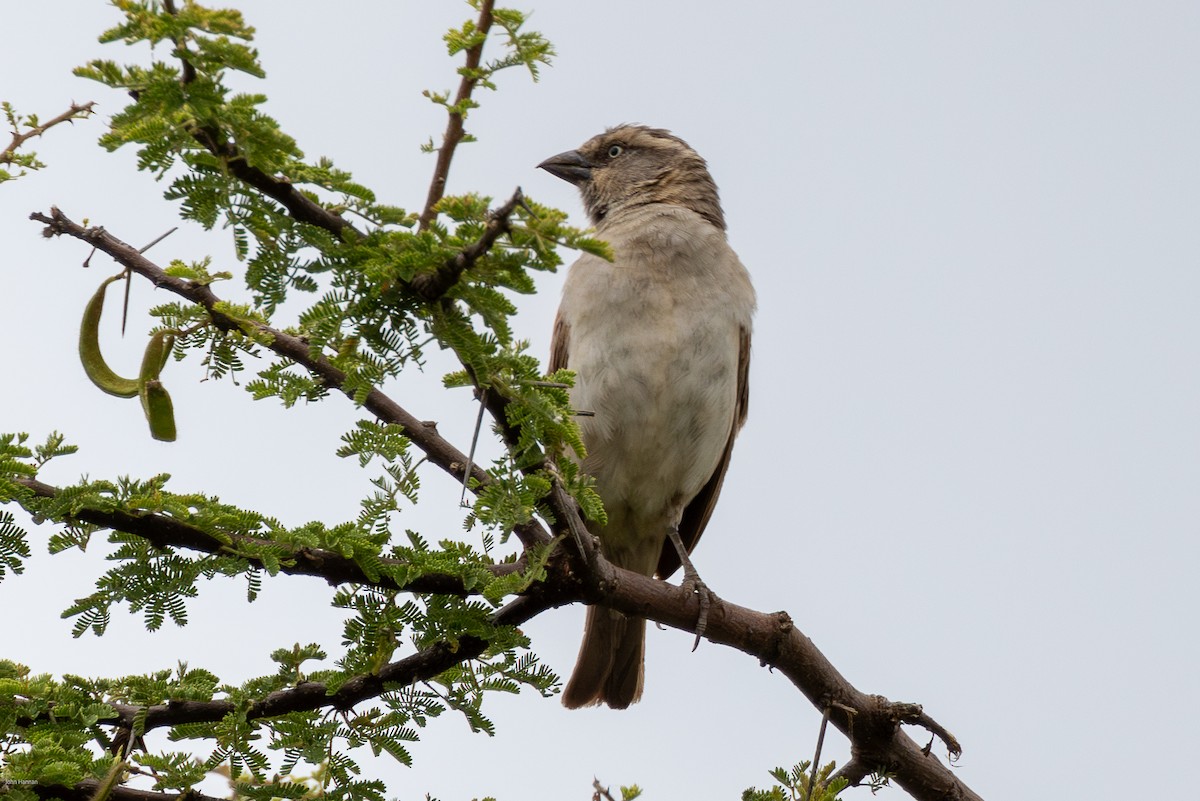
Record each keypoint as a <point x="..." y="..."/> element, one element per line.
<point x="659" y="341"/>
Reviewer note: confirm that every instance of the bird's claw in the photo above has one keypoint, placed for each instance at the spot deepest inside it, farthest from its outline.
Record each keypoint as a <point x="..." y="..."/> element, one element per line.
<point x="693" y="585"/>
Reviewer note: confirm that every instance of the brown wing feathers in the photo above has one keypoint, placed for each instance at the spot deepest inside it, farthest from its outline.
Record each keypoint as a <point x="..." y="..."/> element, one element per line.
<point x="697" y="513"/>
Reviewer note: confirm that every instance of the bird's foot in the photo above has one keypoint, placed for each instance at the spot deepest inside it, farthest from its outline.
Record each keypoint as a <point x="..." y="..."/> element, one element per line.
<point x="693" y="585"/>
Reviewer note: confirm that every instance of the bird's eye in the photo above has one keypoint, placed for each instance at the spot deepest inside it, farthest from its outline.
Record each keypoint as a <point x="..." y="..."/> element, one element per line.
<point x="615" y="151"/>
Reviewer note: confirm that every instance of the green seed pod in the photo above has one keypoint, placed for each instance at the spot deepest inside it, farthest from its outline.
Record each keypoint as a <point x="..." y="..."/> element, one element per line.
<point x="158" y="350"/>
<point x="168" y="346"/>
<point x="160" y="412"/>
<point x="89" y="349"/>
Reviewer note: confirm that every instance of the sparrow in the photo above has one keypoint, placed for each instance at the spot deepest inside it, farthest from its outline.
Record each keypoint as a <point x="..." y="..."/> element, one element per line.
<point x="659" y="340"/>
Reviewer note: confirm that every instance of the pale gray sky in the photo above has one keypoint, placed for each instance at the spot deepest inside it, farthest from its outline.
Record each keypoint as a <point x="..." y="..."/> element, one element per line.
<point x="972" y="464"/>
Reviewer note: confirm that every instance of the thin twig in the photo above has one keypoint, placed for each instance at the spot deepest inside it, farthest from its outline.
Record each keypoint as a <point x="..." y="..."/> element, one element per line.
<point x="812" y="776"/>
<point x="129" y="275"/>
<point x="19" y="138"/>
<point x="914" y="714"/>
<point x="474" y="442"/>
<point x="125" y="301"/>
<point x="157" y="239"/>
<point x="457" y="112"/>
<point x="564" y="504"/>
<point x="599" y="791"/>
<point x="432" y="286"/>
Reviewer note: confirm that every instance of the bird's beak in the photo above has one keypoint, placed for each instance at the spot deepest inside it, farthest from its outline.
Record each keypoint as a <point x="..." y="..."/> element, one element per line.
<point x="570" y="166"/>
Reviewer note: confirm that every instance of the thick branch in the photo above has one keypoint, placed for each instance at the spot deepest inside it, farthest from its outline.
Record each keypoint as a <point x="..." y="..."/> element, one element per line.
<point x="21" y="137"/>
<point x="870" y="722"/>
<point x="168" y="532"/>
<point x="457" y="112"/>
<point x="422" y="434"/>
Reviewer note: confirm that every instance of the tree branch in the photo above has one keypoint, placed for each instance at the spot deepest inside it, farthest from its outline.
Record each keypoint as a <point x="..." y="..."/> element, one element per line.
<point x="86" y="791"/>
<point x="280" y="189"/>
<point x="166" y="532"/>
<point x="429" y="286"/>
<point x="432" y="286"/>
<point x="189" y="71"/>
<point x="299" y="205"/>
<point x="871" y="722"/>
<point x="854" y="771"/>
<point x="311" y="695"/>
<point x="21" y="137"/>
<point x="422" y="434"/>
<point x="457" y="113"/>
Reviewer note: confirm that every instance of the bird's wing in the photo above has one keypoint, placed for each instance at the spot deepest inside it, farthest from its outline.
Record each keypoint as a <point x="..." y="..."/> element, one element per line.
<point x="696" y="514"/>
<point x="559" y="342"/>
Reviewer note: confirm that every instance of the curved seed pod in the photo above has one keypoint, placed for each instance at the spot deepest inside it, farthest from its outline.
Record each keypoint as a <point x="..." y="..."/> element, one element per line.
<point x="156" y="402"/>
<point x="160" y="412"/>
<point x="158" y="350"/>
<point x="89" y="349"/>
<point x="168" y="346"/>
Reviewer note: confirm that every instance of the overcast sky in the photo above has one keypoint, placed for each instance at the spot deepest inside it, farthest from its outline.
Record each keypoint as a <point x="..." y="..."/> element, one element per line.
<point x="971" y="472"/>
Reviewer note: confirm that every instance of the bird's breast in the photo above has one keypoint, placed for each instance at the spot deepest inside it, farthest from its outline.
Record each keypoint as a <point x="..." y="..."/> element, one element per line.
<point x="654" y="343"/>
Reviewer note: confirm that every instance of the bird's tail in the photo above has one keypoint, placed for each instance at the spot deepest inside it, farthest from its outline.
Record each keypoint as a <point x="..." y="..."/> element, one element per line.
<point x="610" y="664"/>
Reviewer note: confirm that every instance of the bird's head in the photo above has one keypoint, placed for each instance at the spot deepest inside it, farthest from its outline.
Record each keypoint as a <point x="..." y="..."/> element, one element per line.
<point x="632" y="165"/>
